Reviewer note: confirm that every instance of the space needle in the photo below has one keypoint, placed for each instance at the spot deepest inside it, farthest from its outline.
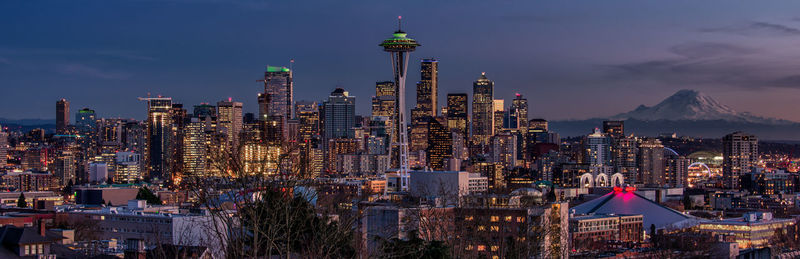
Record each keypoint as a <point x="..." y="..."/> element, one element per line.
<point x="400" y="47"/>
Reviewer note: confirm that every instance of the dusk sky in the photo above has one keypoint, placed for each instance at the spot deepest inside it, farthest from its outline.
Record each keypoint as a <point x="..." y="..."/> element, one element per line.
<point x="571" y="59"/>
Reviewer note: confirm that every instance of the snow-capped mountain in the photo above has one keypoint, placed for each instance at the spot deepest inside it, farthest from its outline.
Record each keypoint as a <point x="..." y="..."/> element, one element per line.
<point x="695" y="106"/>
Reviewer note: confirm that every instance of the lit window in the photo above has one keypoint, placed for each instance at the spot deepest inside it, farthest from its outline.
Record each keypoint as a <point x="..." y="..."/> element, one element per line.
<point x="481" y="248"/>
<point x="495" y="218"/>
<point x="508" y="218"/>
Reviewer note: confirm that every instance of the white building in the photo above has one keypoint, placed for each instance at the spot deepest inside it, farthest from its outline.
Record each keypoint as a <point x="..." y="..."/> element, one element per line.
<point x="447" y="185"/>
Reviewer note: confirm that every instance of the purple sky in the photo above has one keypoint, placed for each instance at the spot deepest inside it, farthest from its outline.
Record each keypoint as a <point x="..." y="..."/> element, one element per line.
<point x="572" y="59"/>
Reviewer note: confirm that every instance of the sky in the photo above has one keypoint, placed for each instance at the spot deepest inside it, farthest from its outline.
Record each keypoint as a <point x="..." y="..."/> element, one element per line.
<point x="571" y="59"/>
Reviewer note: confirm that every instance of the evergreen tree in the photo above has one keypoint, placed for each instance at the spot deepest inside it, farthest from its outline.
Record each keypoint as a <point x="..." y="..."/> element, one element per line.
<point x="148" y="195"/>
<point x="21" y="203"/>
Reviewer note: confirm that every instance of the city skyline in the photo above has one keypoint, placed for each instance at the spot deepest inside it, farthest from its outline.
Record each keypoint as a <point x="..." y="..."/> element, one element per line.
<point x="210" y="59"/>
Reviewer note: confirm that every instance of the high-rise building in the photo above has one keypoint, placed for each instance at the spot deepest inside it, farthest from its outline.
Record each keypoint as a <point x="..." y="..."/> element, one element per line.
<point x="440" y="145"/>
<point x="428" y="87"/>
<point x="278" y="88"/>
<point x="62" y="116"/>
<point x="66" y="164"/>
<point x="158" y="133"/>
<point x="499" y="112"/>
<point x="385" y="88"/>
<point x="128" y="167"/>
<point x="482" y="110"/>
<point x="195" y="148"/>
<point x="676" y="169"/>
<point x="504" y="149"/>
<point x="229" y="115"/>
<point x="517" y="115"/>
<point x="3" y="147"/>
<point x="538" y="124"/>
<point x="625" y="161"/>
<point x="339" y="115"/>
<point x="651" y="162"/>
<point x="739" y="156"/>
<point x="598" y="147"/>
<point x="86" y="119"/>
<point x="457" y="114"/>
<point x="307" y="113"/>
<point x="614" y="129"/>
<point x="400" y="47"/>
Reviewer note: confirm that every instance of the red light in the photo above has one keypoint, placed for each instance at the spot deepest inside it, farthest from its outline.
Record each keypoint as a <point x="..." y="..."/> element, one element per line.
<point x="617" y="189"/>
<point x="630" y="189"/>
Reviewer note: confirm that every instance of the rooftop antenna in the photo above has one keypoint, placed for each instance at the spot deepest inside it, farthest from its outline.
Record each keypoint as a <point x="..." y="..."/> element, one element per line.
<point x="291" y="65"/>
<point x="399" y="24"/>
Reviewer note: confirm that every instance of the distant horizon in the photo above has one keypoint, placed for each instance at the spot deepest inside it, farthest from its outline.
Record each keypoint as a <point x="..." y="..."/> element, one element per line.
<point x="72" y="113"/>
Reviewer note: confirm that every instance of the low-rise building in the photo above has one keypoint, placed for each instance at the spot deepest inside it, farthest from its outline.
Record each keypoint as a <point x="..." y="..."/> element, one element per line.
<point x="753" y="230"/>
<point x="590" y="232"/>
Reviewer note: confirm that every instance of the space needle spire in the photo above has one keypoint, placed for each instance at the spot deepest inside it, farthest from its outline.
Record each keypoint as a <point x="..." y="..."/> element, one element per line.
<point x="400" y="47"/>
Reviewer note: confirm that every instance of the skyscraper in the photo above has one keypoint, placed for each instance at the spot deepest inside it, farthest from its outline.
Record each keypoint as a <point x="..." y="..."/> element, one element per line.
<point x="614" y="129"/>
<point x="598" y="148"/>
<point x="307" y="113"/>
<point x="498" y="106"/>
<point x="3" y="147"/>
<point x="440" y="145"/>
<point x="384" y="103"/>
<point x="739" y="156"/>
<point x="400" y="47"/>
<point x="86" y="119"/>
<point x="457" y="114"/>
<point x="651" y="162"/>
<point x="625" y="151"/>
<point x="229" y="115"/>
<point x="518" y="114"/>
<point x="195" y="148"/>
<point x="62" y="116"/>
<point x="482" y="110"/>
<point x="339" y="115"/>
<point x="427" y="87"/>
<point x="158" y="131"/>
<point x="278" y="88"/>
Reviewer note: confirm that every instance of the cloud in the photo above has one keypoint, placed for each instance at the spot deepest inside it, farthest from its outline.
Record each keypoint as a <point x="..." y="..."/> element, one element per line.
<point x="710" y="49"/>
<point x="88" y="71"/>
<point x="756" y="29"/>
<point x="709" y="63"/>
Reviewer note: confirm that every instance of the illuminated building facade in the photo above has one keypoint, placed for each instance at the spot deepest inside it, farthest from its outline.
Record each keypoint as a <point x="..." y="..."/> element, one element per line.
<point x="482" y="110"/>
<point x="499" y="113"/>
<point x="740" y="156"/>
<point x="651" y="162"/>
<point x="440" y="145"/>
<point x="457" y="113"/>
<point x="229" y="116"/>
<point x="278" y="89"/>
<point x="339" y="115"/>
<point x="336" y="147"/>
<point x="128" y="169"/>
<point x="614" y="129"/>
<point x="517" y="115"/>
<point x="159" y="129"/>
<point x="594" y="232"/>
<point x="753" y="230"/>
<point x="428" y="87"/>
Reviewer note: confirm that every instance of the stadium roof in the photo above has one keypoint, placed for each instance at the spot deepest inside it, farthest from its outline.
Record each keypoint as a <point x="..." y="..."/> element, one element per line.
<point x="627" y="201"/>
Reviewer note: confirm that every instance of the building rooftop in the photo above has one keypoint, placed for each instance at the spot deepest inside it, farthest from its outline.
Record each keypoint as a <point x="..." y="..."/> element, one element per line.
<point x="620" y="201"/>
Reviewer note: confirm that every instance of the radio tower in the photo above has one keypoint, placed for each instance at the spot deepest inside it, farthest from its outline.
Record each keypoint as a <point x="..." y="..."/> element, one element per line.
<point x="399" y="47"/>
